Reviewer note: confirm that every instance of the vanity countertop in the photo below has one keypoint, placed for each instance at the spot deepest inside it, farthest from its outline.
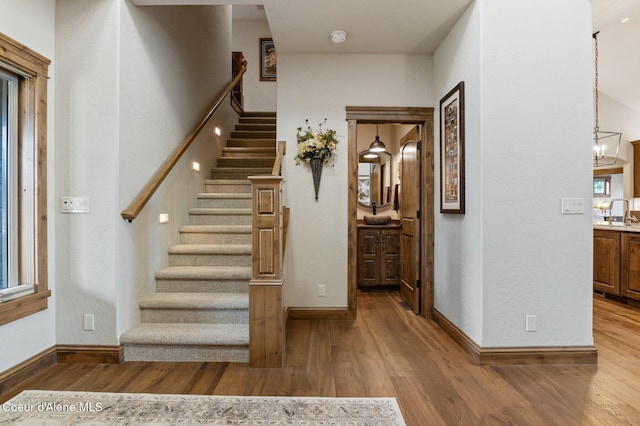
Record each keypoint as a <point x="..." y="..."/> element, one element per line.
<point x="390" y="225"/>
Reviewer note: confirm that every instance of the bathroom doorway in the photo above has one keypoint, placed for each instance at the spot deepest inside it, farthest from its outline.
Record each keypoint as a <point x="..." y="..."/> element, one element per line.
<point x="422" y="120"/>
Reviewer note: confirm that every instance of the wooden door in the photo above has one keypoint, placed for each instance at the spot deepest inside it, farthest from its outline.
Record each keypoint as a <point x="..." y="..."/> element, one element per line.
<point x="410" y="219"/>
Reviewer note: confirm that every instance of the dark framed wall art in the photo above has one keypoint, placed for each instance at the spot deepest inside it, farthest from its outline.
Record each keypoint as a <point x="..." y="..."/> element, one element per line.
<point x="268" y="60"/>
<point x="452" y="151"/>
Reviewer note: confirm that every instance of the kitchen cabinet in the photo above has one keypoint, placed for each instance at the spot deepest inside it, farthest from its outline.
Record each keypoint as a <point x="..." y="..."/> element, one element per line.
<point x="606" y="261"/>
<point x="636" y="168"/>
<point x="378" y="255"/>
<point x="616" y="262"/>
<point x="630" y="265"/>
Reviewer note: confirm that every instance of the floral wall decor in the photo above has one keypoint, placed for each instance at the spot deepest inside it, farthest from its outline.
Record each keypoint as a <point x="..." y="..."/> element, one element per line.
<point x="315" y="148"/>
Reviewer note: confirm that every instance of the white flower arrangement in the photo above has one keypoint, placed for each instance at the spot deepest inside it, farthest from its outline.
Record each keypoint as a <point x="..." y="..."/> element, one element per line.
<point x="315" y="143"/>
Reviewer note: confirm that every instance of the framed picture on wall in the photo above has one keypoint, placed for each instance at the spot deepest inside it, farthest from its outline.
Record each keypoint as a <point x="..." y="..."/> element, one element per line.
<point x="268" y="60"/>
<point x="452" y="151"/>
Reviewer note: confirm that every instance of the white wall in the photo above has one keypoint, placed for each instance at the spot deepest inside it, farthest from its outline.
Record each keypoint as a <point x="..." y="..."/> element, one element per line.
<point x="86" y="165"/>
<point x="458" y="238"/>
<point x="32" y="24"/>
<point x="525" y="151"/>
<point x="320" y="86"/>
<point x="258" y="95"/>
<point x="136" y="82"/>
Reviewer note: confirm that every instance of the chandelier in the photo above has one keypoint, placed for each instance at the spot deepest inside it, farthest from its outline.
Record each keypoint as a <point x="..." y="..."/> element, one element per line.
<point x="600" y="158"/>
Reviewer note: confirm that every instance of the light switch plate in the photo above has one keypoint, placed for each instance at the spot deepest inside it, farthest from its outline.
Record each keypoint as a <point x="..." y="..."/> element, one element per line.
<point x="572" y="205"/>
<point x="74" y="205"/>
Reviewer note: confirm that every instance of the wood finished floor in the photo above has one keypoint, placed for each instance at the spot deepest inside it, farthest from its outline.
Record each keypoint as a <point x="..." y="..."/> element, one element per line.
<point x="388" y="351"/>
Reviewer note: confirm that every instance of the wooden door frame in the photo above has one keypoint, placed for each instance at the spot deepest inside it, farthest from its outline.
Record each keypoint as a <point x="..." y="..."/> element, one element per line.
<point x="403" y="115"/>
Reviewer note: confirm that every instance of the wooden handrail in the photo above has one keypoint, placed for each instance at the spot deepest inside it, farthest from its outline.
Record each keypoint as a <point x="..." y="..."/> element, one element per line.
<point x="281" y="150"/>
<point x="277" y="164"/>
<point x="145" y="194"/>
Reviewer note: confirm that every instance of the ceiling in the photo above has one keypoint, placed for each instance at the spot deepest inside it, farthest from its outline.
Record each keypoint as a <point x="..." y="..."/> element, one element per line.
<point x="419" y="26"/>
<point x="618" y="57"/>
<point x="372" y="26"/>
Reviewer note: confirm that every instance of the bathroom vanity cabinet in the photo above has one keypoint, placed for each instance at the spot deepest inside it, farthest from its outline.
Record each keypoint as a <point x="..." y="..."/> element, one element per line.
<point x="378" y="255"/>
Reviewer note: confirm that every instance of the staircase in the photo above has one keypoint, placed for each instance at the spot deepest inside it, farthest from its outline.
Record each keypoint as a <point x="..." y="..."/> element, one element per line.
<point x="200" y="311"/>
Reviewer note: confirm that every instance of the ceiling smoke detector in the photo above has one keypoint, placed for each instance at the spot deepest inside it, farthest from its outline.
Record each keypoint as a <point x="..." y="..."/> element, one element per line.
<point x="338" y="36"/>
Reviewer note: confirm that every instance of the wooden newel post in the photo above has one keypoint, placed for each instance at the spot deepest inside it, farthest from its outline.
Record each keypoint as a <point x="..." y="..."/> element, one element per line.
<point x="266" y="316"/>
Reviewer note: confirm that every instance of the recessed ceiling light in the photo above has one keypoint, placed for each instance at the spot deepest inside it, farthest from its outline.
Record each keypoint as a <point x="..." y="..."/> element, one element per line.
<point x="625" y="20"/>
<point x="338" y="36"/>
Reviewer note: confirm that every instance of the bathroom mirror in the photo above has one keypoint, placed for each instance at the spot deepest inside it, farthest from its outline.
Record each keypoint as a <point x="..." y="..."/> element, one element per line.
<point x="374" y="178"/>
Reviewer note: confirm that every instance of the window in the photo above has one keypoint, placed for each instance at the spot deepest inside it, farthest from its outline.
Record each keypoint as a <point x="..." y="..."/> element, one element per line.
<point x="23" y="190"/>
<point x="601" y="186"/>
<point x="8" y="161"/>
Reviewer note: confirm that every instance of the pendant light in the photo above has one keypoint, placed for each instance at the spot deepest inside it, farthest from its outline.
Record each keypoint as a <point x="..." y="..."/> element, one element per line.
<point x="599" y="136"/>
<point x="377" y="145"/>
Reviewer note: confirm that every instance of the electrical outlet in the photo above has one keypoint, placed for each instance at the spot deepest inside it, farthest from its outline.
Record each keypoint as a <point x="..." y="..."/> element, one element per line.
<point x="531" y="321"/>
<point x="322" y="290"/>
<point x="89" y="322"/>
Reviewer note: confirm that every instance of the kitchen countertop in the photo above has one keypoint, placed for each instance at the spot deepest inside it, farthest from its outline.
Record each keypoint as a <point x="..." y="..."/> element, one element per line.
<point x="619" y="228"/>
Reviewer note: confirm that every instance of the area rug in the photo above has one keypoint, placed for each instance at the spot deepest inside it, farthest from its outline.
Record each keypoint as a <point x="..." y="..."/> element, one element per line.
<point x="48" y="408"/>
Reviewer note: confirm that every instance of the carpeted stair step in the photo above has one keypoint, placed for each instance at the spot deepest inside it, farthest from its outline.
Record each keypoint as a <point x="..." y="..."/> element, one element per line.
<point x="256" y="127"/>
<point x="257" y="120"/>
<point x="201" y="308"/>
<point x="187" y="342"/>
<point x="248" y="151"/>
<point x="227" y="186"/>
<point x="271" y="114"/>
<point x="203" y="279"/>
<point x="224" y="200"/>
<point x="238" y="173"/>
<point x="248" y="142"/>
<point x="253" y="134"/>
<point x="210" y="255"/>
<point x="212" y="216"/>
<point x="246" y="162"/>
<point x="215" y="234"/>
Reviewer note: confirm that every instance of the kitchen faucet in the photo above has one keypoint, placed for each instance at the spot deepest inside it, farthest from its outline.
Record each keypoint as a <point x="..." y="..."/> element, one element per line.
<point x="627" y="217"/>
